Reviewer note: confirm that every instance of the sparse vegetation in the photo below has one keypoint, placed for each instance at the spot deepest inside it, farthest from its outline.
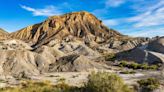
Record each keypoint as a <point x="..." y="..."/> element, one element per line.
<point x="134" y="65"/>
<point x="106" y="82"/>
<point x="74" y="76"/>
<point x="128" y="72"/>
<point x="46" y="86"/>
<point x="110" y="57"/>
<point x="53" y="76"/>
<point x="2" y="81"/>
<point x="61" y="80"/>
<point x="149" y="84"/>
<point x="97" y="82"/>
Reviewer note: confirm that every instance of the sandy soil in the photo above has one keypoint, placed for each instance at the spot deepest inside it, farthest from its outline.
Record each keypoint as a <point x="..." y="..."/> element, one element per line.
<point x="80" y="78"/>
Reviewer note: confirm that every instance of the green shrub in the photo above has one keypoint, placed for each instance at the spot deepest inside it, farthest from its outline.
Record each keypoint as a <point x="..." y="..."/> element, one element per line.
<point x="123" y="64"/>
<point x="110" y="57"/>
<point x="97" y="82"/>
<point x="143" y="66"/>
<point x="154" y="67"/>
<point x="128" y="72"/>
<point x="149" y="84"/>
<point x="61" y="80"/>
<point x="31" y="86"/>
<point x="106" y="82"/>
<point x="134" y="65"/>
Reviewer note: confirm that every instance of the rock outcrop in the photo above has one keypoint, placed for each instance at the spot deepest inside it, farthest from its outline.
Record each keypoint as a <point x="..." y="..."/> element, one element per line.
<point x="82" y="26"/>
<point x="157" y="45"/>
<point x="151" y="52"/>
<point x="142" y="56"/>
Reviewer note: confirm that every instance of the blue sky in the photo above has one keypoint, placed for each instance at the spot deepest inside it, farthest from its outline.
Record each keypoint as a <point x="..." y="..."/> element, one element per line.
<point x="130" y="17"/>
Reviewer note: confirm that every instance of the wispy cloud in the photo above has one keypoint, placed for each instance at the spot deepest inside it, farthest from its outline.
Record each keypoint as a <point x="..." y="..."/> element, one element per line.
<point x="107" y="5"/>
<point x="152" y="16"/>
<point x="111" y="22"/>
<point x="47" y="11"/>
<point x="148" y="32"/>
<point x="114" y="3"/>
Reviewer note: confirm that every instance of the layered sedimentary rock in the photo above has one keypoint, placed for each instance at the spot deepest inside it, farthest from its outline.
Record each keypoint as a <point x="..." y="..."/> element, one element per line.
<point x="81" y="25"/>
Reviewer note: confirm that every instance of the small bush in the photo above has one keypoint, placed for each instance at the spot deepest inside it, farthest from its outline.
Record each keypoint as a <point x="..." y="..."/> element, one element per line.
<point x="128" y="72"/>
<point x="61" y="80"/>
<point x="149" y="84"/>
<point x="106" y="82"/>
<point x="53" y="76"/>
<point x="134" y="65"/>
<point x="123" y="64"/>
<point x="31" y="86"/>
<point x="97" y="82"/>
<point x="110" y="57"/>
<point x="154" y="67"/>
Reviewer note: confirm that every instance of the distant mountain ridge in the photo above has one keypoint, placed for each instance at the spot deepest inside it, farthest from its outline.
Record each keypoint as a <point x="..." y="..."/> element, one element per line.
<point x="3" y="34"/>
<point x="2" y="31"/>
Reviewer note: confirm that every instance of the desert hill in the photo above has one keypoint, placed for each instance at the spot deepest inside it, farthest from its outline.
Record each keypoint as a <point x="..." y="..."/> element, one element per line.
<point x="81" y="26"/>
<point x="71" y="42"/>
<point x="75" y="42"/>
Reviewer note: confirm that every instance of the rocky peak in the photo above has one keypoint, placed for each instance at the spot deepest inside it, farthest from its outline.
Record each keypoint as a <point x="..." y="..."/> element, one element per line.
<point x="81" y="25"/>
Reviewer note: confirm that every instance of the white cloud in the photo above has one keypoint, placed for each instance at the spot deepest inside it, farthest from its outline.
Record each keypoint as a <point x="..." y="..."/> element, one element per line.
<point x="111" y="22"/>
<point x="47" y="11"/>
<point x="100" y="12"/>
<point x="152" y="16"/>
<point x="147" y="19"/>
<point x="148" y="32"/>
<point x="114" y="3"/>
<point x="107" y="5"/>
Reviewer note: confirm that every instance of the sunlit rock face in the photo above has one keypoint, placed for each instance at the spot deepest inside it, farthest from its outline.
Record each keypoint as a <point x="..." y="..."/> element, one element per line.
<point x="81" y="25"/>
